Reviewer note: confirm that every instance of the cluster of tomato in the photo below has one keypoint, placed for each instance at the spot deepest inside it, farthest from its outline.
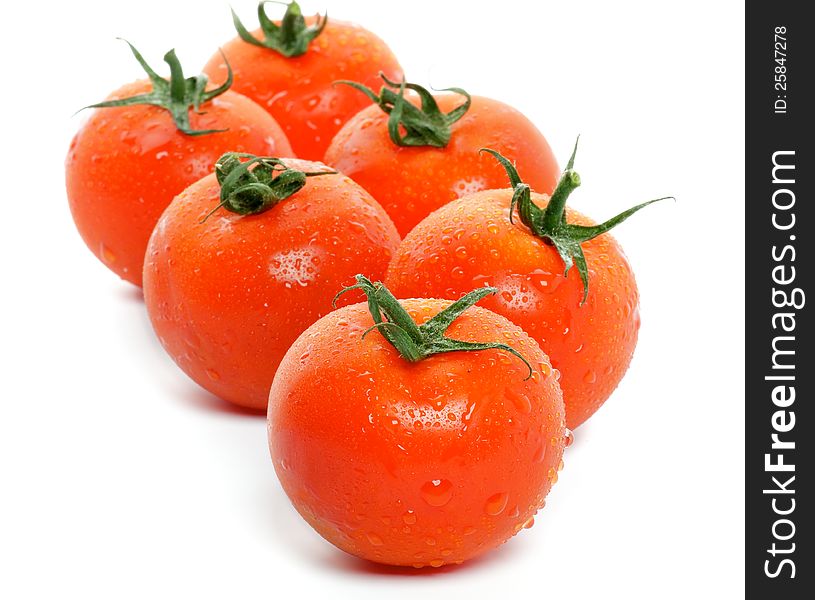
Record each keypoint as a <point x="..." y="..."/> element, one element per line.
<point x="420" y="431"/>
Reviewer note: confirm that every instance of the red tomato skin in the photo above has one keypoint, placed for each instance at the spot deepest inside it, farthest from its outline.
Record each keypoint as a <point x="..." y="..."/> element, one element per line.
<point x="227" y="297"/>
<point x="415" y="464"/>
<point x="299" y="91"/>
<point x="411" y="182"/>
<point x="126" y="164"/>
<point x="471" y="243"/>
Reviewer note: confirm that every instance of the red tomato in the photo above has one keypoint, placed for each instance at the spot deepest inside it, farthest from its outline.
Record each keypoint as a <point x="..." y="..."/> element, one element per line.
<point x="412" y="181"/>
<point x="472" y="242"/>
<point x="127" y="163"/>
<point x="298" y="90"/>
<point x="228" y="296"/>
<point x="415" y="463"/>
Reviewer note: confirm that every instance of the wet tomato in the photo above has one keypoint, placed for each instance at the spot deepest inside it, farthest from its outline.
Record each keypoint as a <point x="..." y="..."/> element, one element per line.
<point x="414" y="161"/>
<point x="586" y="320"/>
<point x="129" y="159"/>
<point x="420" y="462"/>
<point x="290" y="68"/>
<point x="228" y="293"/>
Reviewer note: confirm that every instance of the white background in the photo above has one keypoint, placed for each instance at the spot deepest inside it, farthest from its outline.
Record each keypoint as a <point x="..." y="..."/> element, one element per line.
<point x="122" y="479"/>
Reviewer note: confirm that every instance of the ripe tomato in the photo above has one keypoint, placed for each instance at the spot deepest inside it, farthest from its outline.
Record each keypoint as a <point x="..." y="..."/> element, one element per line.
<point x="427" y="171"/>
<point x="292" y="74"/>
<point x="228" y="296"/>
<point x="419" y="463"/>
<point x="474" y="242"/>
<point x="127" y="162"/>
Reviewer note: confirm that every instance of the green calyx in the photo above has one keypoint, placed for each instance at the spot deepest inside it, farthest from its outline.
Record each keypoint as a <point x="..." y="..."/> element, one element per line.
<point x="550" y="223"/>
<point x="290" y="38"/>
<point x="255" y="185"/>
<point x="416" y="342"/>
<point x="423" y="126"/>
<point x="176" y="95"/>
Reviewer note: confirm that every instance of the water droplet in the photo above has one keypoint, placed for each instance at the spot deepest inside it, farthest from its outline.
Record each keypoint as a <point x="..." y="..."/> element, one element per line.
<point x="529" y="523"/>
<point x="590" y="377"/>
<point x="107" y="255"/>
<point x="496" y="504"/>
<point x="374" y="539"/>
<point x="409" y="517"/>
<point x="436" y="563"/>
<point x="430" y="541"/>
<point x="519" y="400"/>
<point x="213" y="374"/>
<point x="560" y="465"/>
<point x="492" y="228"/>
<point x="469" y="530"/>
<point x="446" y="552"/>
<point x="437" y="492"/>
<point x="568" y="438"/>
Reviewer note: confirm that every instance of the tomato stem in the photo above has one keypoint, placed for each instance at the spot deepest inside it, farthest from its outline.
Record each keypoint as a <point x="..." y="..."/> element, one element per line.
<point x="416" y="342"/>
<point x="550" y="223"/>
<point x="177" y="95"/>
<point x="255" y="185"/>
<point x="423" y="126"/>
<point x="290" y="38"/>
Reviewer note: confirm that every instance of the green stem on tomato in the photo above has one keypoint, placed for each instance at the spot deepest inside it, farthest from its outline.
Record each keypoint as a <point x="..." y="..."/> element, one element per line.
<point x="290" y="38"/>
<point x="177" y="96"/>
<point x="423" y="125"/>
<point x="255" y="185"/>
<point x="416" y="342"/>
<point x="550" y="223"/>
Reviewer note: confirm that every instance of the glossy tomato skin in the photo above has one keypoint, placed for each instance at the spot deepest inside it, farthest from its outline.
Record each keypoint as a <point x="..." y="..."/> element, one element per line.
<point x="227" y="297"/>
<point x="126" y="164"/>
<point x="299" y="91"/>
<point x="411" y="182"/>
<point x="415" y="464"/>
<point x="471" y="243"/>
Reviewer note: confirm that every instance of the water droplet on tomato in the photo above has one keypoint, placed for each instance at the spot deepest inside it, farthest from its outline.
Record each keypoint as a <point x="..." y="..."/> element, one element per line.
<point x="529" y="523"/>
<point x="568" y="438"/>
<point x="590" y="377"/>
<point x="213" y="374"/>
<point x="496" y="504"/>
<point x="107" y="254"/>
<point x="436" y="563"/>
<point x="519" y="400"/>
<point x="409" y="517"/>
<point x="374" y="539"/>
<point x="437" y="492"/>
